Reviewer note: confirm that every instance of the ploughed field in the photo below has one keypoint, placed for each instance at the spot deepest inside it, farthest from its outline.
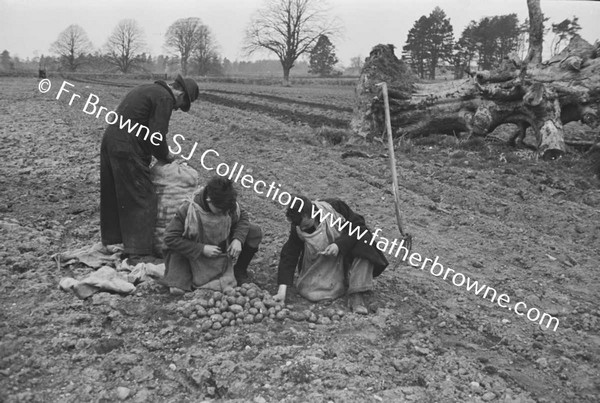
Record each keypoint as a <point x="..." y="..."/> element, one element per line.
<point x="527" y="228"/>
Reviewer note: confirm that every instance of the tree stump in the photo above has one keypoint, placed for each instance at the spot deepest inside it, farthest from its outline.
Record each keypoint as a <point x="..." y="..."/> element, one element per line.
<point x="382" y="65"/>
<point x="543" y="96"/>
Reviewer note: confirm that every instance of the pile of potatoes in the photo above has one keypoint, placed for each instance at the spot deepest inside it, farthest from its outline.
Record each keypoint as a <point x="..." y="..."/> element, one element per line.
<point x="246" y="305"/>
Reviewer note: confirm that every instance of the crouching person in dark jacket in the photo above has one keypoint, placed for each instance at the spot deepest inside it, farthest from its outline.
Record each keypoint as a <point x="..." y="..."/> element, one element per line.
<point x="205" y="236"/>
<point x="328" y="243"/>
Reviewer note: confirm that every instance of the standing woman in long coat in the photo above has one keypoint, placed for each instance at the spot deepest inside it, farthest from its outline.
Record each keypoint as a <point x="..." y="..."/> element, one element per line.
<point x="128" y="201"/>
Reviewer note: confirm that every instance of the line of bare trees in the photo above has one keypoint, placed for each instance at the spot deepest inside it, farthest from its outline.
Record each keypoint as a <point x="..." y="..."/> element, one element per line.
<point x="187" y="38"/>
<point x="287" y="28"/>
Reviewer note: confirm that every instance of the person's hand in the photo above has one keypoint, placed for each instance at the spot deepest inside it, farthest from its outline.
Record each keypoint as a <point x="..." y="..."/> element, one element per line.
<point x="169" y="158"/>
<point x="331" y="250"/>
<point x="211" y="251"/>
<point x="235" y="247"/>
<point x="280" y="296"/>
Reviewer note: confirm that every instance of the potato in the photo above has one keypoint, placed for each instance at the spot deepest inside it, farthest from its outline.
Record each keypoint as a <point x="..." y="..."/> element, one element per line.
<point x="249" y="318"/>
<point x="235" y="308"/>
<point x="297" y="316"/>
<point x="272" y="311"/>
<point x="312" y="318"/>
<point x="258" y="318"/>
<point x="193" y="316"/>
<point x="328" y="312"/>
<point x="229" y="291"/>
<point x="224" y="305"/>
<point x="211" y="302"/>
<point x="251" y="294"/>
<point x="231" y="300"/>
<point x="269" y="302"/>
<point x="206" y="324"/>
<point x="240" y="315"/>
<point x="259" y="305"/>
<point x="253" y="311"/>
<point x="245" y="286"/>
<point x="218" y="304"/>
<point x="216" y="318"/>
<point x="282" y="314"/>
<point x="278" y="307"/>
<point x="254" y="301"/>
<point x="228" y="315"/>
<point x="323" y="320"/>
<point x="211" y="311"/>
<point x="187" y="312"/>
<point x="237" y="289"/>
<point x="201" y="312"/>
<point x="225" y="322"/>
<point x="239" y="321"/>
<point x="202" y="302"/>
<point x="241" y="301"/>
<point x="243" y="291"/>
<point x="272" y="316"/>
<point x="335" y="318"/>
<point x="340" y="313"/>
<point x="217" y="295"/>
<point x="247" y="306"/>
<point x="216" y="325"/>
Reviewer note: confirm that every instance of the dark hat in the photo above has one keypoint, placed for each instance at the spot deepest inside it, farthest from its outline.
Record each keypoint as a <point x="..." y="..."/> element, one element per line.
<point x="190" y="88"/>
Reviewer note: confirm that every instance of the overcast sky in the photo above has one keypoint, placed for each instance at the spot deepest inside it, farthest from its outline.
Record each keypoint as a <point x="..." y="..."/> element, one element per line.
<point x="28" y="27"/>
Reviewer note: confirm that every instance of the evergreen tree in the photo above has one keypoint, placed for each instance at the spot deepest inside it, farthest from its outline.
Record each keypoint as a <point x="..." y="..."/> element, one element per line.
<point x="440" y="40"/>
<point x="491" y="39"/>
<point x="322" y="57"/>
<point x="6" y="63"/>
<point x="415" y="50"/>
<point x="429" y="42"/>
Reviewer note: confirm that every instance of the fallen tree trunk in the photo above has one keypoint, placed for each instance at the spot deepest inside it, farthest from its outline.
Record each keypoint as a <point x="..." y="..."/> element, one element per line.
<point x="543" y="96"/>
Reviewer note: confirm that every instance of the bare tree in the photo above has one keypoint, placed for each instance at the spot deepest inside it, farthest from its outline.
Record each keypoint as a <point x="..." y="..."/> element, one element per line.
<point x="125" y="44"/>
<point x="184" y="37"/>
<point x="357" y="63"/>
<point x="71" y="45"/>
<point x="288" y="28"/>
<point x="205" y="52"/>
<point x="536" y="32"/>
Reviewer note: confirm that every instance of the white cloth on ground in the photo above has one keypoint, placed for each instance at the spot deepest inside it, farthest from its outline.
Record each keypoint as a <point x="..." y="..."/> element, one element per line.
<point x="94" y="256"/>
<point x="104" y="279"/>
<point x="142" y="271"/>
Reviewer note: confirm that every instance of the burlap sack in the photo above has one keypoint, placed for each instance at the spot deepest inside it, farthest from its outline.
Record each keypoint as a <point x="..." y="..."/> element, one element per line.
<point x="174" y="183"/>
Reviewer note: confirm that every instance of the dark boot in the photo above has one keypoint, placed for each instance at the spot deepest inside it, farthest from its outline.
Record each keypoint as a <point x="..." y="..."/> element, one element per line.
<point x="240" y="270"/>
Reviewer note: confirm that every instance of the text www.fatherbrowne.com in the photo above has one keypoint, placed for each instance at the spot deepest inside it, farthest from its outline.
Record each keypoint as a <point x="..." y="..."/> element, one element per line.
<point x="436" y="268"/>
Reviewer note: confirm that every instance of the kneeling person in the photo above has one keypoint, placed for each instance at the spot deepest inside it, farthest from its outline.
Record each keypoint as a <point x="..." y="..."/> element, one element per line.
<point x="331" y="261"/>
<point x="205" y="236"/>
